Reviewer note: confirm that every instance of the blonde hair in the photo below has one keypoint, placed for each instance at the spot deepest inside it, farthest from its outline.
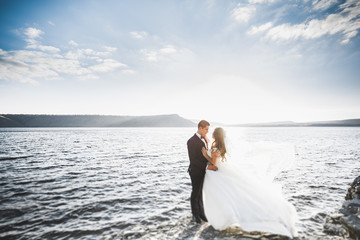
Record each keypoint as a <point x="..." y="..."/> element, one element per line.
<point x="219" y="142"/>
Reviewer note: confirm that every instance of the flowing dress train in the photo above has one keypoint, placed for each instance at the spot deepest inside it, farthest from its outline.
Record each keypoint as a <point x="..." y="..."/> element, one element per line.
<point x="233" y="197"/>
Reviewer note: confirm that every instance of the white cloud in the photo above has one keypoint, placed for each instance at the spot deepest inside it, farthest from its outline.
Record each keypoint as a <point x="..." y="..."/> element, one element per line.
<point x="48" y="62"/>
<point x="47" y="48"/>
<point x="33" y="33"/>
<point x="345" y="41"/>
<point x="243" y="14"/>
<point x="34" y="45"/>
<point x="346" y="22"/>
<point x="51" y="23"/>
<point x="349" y="3"/>
<point x="323" y="4"/>
<point x="73" y="43"/>
<point x="107" y="65"/>
<point x="88" y="77"/>
<point x="13" y="67"/>
<point x="139" y="35"/>
<point x="87" y="53"/>
<point x="260" y="29"/>
<point x="110" y="49"/>
<point x="261" y="1"/>
<point x="152" y="55"/>
<point x="168" y="50"/>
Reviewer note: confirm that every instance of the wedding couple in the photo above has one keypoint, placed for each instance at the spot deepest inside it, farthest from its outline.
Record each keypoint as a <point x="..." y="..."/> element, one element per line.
<point x="226" y="196"/>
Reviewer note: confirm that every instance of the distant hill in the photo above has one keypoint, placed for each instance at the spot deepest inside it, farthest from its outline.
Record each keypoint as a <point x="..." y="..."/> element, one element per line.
<point x="334" y="123"/>
<point x="30" y="120"/>
<point x="171" y="120"/>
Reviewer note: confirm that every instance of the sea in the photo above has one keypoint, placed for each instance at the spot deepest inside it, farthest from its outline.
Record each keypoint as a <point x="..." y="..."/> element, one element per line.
<point x="132" y="183"/>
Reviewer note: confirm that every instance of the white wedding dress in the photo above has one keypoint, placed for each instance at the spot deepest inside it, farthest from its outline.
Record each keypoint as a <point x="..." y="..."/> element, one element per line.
<point x="235" y="196"/>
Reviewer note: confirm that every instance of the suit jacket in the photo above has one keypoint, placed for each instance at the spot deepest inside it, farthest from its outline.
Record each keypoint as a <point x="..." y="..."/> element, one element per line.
<point x="198" y="162"/>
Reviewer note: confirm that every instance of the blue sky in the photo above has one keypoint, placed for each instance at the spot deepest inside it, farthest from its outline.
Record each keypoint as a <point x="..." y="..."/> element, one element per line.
<point x="227" y="61"/>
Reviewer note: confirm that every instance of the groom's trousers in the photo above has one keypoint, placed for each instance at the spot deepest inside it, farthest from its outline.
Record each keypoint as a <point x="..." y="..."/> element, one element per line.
<point x="197" y="206"/>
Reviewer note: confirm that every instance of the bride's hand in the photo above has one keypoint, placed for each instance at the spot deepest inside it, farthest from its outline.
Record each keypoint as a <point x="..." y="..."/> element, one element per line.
<point x="204" y="152"/>
<point x="212" y="167"/>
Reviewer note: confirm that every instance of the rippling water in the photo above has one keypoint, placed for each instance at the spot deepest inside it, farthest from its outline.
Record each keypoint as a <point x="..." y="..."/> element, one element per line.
<point x="116" y="183"/>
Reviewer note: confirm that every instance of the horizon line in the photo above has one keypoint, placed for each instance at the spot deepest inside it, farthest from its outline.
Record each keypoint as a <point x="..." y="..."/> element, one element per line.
<point x="193" y="120"/>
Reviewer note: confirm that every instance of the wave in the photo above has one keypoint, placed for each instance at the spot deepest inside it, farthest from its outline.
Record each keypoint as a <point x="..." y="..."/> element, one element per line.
<point x="14" y="158"/>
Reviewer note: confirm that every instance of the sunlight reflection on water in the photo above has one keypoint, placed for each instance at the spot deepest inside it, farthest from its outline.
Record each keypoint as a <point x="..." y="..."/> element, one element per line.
<point x="132" y="182"/>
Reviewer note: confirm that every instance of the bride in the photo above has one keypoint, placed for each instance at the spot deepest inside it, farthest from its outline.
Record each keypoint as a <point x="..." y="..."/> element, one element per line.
<point x="237" y="198"/>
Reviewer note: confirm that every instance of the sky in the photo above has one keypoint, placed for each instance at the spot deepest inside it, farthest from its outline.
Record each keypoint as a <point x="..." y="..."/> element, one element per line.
<point x="223" y="61"/>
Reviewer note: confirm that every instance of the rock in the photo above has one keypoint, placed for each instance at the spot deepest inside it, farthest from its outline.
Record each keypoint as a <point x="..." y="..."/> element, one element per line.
<point x="350" y="207"/>
<point x="354" y="190"/>
<point x="333" y="226"/>
<point x="346" y="221"/>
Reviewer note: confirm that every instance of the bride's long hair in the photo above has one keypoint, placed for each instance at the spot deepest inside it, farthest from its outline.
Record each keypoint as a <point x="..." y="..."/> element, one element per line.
<point x="219" y="142"/>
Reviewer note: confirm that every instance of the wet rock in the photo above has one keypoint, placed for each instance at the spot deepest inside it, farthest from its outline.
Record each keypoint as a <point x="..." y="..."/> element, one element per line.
<point x="333" y="225"/>
<point x="354" y="190"/>
<point x="346" y="221"/>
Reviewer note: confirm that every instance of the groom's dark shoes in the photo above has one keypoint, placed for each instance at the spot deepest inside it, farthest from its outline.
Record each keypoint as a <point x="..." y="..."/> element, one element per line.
<point x="196" y="219"/>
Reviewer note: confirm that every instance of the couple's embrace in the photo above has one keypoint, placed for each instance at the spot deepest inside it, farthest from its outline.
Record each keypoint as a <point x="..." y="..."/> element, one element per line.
<point x="226" y="196"/>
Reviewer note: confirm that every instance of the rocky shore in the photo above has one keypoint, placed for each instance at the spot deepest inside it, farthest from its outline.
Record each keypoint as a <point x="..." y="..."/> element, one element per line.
<point x="346" y="221"/>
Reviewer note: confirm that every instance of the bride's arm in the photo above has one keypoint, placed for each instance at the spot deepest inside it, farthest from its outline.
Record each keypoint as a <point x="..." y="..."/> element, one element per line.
<point x="213" y="158"/>
<point x="204" y="152"/>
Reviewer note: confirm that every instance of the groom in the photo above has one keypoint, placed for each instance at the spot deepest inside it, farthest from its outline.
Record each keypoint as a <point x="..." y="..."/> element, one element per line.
<point x="197" y="168"/>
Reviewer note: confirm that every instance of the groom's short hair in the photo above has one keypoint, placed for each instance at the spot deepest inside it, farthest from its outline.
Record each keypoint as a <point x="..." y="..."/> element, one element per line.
<point x="203" y="124"/>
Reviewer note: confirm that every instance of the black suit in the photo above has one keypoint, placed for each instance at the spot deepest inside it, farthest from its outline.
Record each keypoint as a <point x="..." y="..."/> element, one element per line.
<point x="196" y="171"/>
